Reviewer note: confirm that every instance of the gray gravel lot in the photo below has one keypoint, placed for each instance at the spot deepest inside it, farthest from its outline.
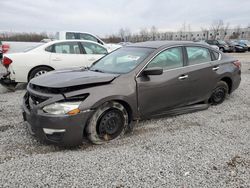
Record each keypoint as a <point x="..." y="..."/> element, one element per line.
<point x="209" y="148"/>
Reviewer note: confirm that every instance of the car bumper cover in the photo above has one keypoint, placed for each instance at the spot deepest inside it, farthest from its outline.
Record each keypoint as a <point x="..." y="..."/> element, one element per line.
<point x="66" y="130"/>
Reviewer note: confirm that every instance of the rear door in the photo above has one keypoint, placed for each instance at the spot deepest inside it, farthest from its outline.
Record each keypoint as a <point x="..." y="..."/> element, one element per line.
<point x="158" y="93"/>
<point x="67" y="54"/>
<point x="93" y="52"/>
<point x="201" y="73"/>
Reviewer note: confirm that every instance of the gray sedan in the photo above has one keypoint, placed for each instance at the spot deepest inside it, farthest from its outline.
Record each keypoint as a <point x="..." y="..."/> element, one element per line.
<point x="139" y="81"/>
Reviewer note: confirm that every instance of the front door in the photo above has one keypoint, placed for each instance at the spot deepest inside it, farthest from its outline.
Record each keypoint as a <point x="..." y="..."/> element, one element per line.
<point x="159" y="93"/>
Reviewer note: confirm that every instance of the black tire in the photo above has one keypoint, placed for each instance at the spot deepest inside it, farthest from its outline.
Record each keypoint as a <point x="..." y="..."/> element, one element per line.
<point x="38" y="71"/>
<point x="222" y="49"/>
<point x="219" y="93"/>
<point x="109" y="122"/>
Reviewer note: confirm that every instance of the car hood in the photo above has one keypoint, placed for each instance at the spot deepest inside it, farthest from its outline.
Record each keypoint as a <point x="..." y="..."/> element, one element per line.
<point x="69" y="78"/>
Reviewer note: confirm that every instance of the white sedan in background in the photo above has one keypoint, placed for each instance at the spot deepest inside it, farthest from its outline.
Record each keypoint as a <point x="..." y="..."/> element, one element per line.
<point x="21" y="67"/>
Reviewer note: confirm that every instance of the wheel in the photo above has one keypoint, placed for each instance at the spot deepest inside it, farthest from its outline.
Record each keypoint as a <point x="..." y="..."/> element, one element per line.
<point x="108" y="122"/>
<point x="38" y="72"/>
<point x="219" y="94"/>
<point x="221" y="49"/>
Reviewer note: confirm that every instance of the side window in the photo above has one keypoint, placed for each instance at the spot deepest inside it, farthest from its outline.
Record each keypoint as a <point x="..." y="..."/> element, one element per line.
<point x="49" y="48"/>
<point x="84" y="36"/>
<point x="70" y="35"/>
<point x="67" y="48"/>
<point x="168" y="59"/>
<point x="92" y="48"/>
<point x="198" y="55"/>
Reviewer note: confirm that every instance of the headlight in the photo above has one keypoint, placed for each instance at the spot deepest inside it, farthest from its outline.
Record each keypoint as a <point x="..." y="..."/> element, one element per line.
<point x="61" y="108"/>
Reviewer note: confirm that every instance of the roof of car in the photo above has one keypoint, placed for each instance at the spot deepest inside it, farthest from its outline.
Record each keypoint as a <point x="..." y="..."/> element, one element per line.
<point x="158" y="44"/>
<point x="72" y="40"/>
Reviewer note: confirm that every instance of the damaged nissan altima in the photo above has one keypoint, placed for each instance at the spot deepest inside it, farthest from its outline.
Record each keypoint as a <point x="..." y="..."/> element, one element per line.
<point x="136" y="82"/>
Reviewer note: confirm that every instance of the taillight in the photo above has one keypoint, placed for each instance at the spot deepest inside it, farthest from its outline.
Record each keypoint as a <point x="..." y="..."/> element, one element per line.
<point x="6" y="61"/>
<point x="237" y="64"/>
<point x="5" y="48"/>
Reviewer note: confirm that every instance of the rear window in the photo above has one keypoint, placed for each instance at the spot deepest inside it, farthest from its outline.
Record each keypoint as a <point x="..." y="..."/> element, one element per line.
<point x="66" y="48"/>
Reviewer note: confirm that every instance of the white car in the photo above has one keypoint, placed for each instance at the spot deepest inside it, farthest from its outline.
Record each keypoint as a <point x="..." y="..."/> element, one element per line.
<point x="70" y="35"/>
<point x="21" y="67"/>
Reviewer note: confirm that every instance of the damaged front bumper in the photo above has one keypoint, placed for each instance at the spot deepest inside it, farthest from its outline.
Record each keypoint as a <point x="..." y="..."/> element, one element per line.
<point x="64" y="130"/>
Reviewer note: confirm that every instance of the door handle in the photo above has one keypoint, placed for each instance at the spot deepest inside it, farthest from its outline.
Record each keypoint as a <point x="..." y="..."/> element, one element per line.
<point x="56" y="59"/>
<point x="183" y="77"/>
<point x="215" y="68"/>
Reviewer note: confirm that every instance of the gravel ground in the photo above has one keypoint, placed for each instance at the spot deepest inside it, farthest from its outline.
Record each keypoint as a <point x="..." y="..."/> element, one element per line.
<point x="209" y="148"/>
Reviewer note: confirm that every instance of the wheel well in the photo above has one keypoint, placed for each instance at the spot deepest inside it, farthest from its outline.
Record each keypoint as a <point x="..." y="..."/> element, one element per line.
<point x="229" y="83"/>
<point x="128" y="108"/>
<point x="39" y="67"/>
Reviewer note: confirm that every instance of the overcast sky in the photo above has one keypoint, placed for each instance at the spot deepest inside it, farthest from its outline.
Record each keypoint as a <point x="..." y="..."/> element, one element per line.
<point x="103" y="17"/>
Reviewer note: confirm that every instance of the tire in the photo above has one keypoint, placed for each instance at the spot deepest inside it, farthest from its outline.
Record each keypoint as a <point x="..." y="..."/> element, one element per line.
<point x="221" y="49"/>
<point x="109" y="122"/>
<point x="219" y="93"/>
<point x="38" y="71"/>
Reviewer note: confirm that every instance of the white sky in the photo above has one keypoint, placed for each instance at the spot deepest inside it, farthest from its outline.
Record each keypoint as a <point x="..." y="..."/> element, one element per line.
<point x="103" y="17"/>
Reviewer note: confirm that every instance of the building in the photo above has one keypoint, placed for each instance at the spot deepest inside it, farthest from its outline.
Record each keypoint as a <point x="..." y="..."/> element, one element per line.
<point x="238" y="33"/>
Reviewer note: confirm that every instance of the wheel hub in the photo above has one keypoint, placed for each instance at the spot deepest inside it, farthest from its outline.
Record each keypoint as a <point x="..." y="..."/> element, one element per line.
<point x="219" y="94"/>
<point x="110" y="124"/>
<point x="39" y="73"/>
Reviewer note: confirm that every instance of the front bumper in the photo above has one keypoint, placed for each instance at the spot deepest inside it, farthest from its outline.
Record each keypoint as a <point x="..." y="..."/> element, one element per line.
<point x="64" y="130"/>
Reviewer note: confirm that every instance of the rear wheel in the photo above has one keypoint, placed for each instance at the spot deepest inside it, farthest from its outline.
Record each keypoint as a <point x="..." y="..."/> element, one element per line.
<point x="108" y="122"/>
<point x="38" y="72"/>
<point x="219" y="93"/>
<point x="221" y="49"/>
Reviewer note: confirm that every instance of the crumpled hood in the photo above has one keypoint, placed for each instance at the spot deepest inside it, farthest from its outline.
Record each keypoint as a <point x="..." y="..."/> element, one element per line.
<point x="72" y="77"/>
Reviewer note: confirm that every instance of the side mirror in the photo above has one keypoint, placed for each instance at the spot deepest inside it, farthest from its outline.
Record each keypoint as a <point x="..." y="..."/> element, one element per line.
<point x="153" y="71"/>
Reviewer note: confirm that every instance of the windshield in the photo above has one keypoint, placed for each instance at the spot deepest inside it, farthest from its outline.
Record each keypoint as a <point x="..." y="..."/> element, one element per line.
<point x="122" y="60"/>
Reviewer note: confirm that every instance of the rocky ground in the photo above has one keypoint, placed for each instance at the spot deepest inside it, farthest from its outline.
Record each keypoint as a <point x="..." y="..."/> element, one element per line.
<point x="209" y="148"/>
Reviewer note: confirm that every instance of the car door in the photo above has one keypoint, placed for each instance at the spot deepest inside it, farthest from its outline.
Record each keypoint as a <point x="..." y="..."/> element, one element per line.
<point x="158" y="93"/>
<point x="67" y="54"/>
<point x="93" y="52"/>
<point x="201" y="73"/>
